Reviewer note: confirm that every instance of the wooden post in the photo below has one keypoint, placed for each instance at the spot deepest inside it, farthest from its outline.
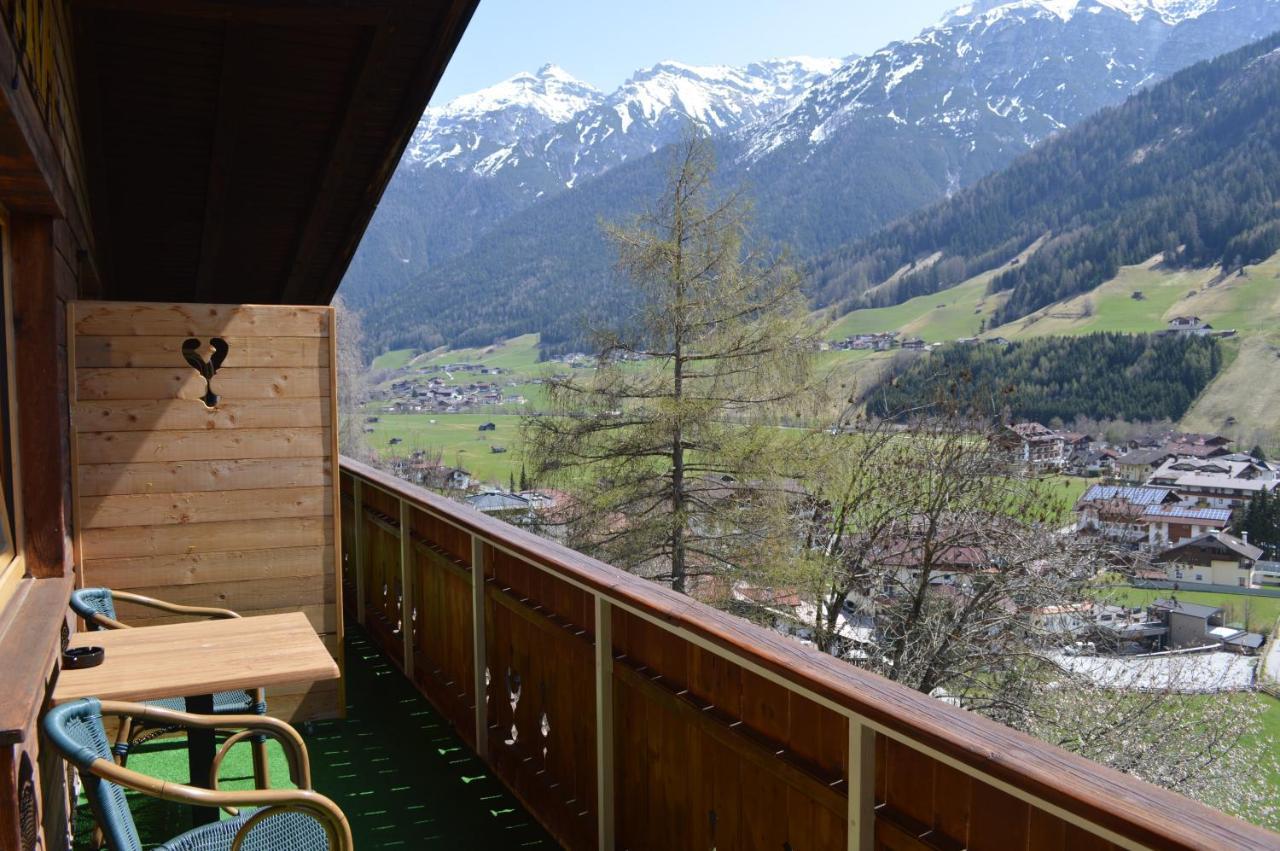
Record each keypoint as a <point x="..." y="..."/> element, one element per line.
<point x="480" y="654"/>
<point x="407" y="593"/>
<point x="357" y="545"/>
<point x="38" y="376"/>
<point x="604" y="723"/>
<point x="862" y="785"/>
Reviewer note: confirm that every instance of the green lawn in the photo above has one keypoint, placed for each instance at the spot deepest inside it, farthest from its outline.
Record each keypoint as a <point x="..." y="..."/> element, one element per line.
<point x="946" y="315"/>
<point x="1244" y="302"/>
<point x="1259" y="613"/>
<point x="395" y="359"/>
<point x="458" y="436"/>
<point x="1070" y="489"/>
<point x="519" y="354"/>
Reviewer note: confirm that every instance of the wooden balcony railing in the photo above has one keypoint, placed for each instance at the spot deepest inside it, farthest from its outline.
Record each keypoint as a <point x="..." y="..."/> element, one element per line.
<point x="626" y="715"/>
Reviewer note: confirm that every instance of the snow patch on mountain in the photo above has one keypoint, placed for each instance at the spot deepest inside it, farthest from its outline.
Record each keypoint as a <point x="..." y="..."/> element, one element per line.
<point x="1169" y="11"/>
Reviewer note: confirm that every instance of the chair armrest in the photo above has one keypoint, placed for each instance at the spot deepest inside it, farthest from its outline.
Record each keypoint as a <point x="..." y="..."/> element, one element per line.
<point x="278" y="800"/>
<point x="295" y="749"/>
<point x="166" y="606"/>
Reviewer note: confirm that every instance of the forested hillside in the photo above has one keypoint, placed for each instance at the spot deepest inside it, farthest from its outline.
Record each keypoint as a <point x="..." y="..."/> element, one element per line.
<point x="1189" y="167"/>
<point x="1136" y="377"/>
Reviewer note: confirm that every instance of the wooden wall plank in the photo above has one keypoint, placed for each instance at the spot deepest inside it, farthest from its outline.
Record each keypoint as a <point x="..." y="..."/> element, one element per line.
<point x="244" y="597"/>
<point x="208" y="445"/>
<point x="167" y="351"/>
<point x="190" y="476"/>
<point x="323" y="617"/>
<point x="199" y="568"/>
<point x="99" y="512"/>
<point x="119" y="318"/>
<point x="154" y="415"/>
<point x="183" y="382"/>
<point x="191" y="538"/>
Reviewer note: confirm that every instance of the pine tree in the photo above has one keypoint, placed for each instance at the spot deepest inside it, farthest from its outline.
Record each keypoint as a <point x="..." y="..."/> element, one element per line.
<point x="671" y="433"/>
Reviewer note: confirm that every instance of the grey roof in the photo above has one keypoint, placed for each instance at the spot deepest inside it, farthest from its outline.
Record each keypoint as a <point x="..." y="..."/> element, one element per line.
<point x="1231" y="542"/>
<point x="497" y="501"/>
<point x="1136" y="495"/>
<point x="1142" y="456"/>
<point x="1195" y="610"/>
<point x="1247" y="639"/>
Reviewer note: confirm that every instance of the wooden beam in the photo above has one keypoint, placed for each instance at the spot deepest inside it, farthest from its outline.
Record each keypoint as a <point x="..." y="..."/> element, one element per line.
<point x="446" y="22"/>
<point x="376" y="55"/>
<point x="42" y="445"/>
<point x="480" y="655"/>
<point x="604" y="723"/>
<point x="29" y="646"/>
<point x="357" y="545"/>
<point x="407" y="577"/>
<point x="237" y="76"/>
<point x="861" y="786"/>
<point x="273" y="12"/>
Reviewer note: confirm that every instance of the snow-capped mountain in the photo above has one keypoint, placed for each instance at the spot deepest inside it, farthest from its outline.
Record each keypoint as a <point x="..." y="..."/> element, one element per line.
<point x="1014" y="72"/>
<point x="549" y="126"/>
<point x="474" y="129"/>
<point x="502" y="192"/>
<point x="483" y="157"/>
<point x="655" y="105"/>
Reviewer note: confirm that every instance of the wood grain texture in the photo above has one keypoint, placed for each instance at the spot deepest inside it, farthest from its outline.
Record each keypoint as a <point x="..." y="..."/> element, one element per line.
<point x="232" y="505"/>
<point x="39" y="376"/>
<point x="166" y="351"/>
<point x="147" y="663"/>
<point x="178" y="477"/>
<point x="163" y="415"/>
<point x="101" y="512"/>
<point x="183" y="382"/>
<point x="130" y="319"/>
<point x="208" y="445"/>
<point x="171" y="571"/>
<point x="200" y="538"/>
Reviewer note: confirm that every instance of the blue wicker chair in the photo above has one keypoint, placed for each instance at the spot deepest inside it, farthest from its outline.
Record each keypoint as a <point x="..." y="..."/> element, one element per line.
<point x="97" y="606"/>
<point x="282" y="819"/>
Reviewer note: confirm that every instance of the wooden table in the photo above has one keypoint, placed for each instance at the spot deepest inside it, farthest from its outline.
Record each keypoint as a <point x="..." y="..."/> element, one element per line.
<point x="194" y="660"/>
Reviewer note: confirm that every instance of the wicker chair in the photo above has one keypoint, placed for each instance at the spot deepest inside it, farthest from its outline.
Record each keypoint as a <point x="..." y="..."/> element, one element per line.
<point x="97" y="607"/>
<point x="283" y="819"/>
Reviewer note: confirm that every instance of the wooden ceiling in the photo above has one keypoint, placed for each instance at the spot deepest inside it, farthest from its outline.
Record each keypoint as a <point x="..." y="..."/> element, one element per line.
<point x="235" y="149"/>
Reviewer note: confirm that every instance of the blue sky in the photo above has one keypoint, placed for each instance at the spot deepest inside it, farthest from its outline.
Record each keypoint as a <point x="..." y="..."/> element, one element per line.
<point x="603" y="41"/>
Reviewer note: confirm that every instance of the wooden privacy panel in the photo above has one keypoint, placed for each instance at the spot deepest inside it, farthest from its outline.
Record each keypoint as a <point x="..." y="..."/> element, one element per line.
<point x="541" y="696"/>
<point x="711" y="755"/>
<point x="226" y="501"/>
<point x="924" y="804"/>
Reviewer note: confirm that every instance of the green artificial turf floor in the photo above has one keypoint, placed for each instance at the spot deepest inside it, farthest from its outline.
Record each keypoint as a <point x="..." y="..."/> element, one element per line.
<point x="393" y="764"/>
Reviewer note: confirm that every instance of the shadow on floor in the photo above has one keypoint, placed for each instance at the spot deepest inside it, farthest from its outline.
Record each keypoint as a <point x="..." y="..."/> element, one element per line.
<point x="393" y="764"/>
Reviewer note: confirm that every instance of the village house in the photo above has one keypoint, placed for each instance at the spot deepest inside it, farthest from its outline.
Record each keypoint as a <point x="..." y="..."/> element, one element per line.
<point x="1034" y="445"/>
<point x="1173" y="524"/>
<point x="1189" y="325"/>
<point x="1223" y="482"/>
<point x="1194" y="625"/>
<point x="1214" y="558"/>
<point x="1117" y="513"/>
<point x="949" y="566"/>
<point x="1137" y="465"/>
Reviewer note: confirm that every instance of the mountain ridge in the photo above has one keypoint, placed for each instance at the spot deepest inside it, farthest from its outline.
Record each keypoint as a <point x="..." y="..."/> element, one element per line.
<point x="917" y="121"/>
